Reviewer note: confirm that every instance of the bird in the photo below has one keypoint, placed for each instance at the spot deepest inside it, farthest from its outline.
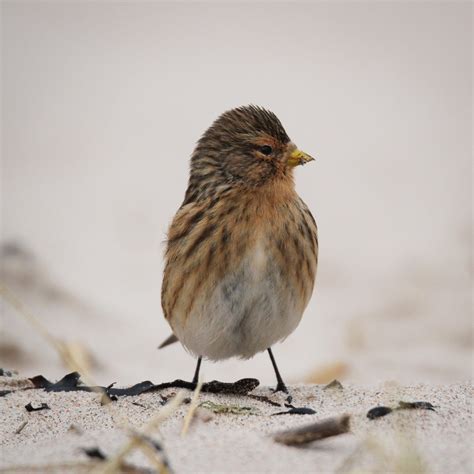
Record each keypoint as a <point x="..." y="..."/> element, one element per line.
<point x="242" y="250"/>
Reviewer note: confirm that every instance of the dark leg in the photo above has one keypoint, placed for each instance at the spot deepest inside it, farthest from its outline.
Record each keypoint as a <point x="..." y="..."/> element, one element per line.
<point x="196" y="372"/>
<point x="281" y="387"/>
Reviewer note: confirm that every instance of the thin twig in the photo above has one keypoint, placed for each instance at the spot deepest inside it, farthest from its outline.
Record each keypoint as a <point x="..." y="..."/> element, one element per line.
<point x="20" y="428"/>
<point x="315" y="431"/>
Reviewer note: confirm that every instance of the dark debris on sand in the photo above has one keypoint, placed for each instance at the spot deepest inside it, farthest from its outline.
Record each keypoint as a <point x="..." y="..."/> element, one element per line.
<point x="378" y="412"/>
<point x="242" y="387"/>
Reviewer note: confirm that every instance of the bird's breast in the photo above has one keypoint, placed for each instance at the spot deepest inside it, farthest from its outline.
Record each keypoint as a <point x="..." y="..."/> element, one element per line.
<point x="245" y="286"/>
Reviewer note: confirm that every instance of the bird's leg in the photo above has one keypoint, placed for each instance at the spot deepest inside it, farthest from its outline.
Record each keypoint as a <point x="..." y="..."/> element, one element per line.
<point x="196" y="372"/>
<point x="281" y="387"/>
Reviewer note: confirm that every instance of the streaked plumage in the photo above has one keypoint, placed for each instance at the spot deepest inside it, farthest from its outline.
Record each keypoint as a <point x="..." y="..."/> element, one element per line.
<point x="242" y="249"/>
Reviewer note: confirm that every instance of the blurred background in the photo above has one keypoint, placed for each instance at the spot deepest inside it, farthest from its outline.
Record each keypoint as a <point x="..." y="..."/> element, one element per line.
<point x="102" y="104"/>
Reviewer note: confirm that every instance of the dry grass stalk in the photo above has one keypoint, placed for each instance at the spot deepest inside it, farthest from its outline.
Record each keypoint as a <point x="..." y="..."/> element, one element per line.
<point x="76" y="467"/>
<point x="66" y="353"/>
<point x="192" y="408"/>
<point x="113" y="465"/>
<point x="157" y="463"/>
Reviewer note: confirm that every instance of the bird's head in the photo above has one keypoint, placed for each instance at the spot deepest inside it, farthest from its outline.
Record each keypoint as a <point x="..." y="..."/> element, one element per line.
<point x="246" y="146"/>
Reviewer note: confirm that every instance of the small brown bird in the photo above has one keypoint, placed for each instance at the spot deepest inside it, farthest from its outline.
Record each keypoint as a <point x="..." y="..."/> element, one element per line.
<point x="242" y="249"/>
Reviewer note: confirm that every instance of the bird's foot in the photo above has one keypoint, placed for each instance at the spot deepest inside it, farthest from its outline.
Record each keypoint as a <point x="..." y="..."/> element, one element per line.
<point x="281" y="387"/>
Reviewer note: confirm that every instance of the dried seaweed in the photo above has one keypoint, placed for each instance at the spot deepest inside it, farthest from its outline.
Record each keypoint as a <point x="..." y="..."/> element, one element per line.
<point x="7" y="373"/>
<point x="68" y="383"/>
<point x="241" y="387"/>
<point x="264" y="399"/>
<point x="71" y="382"/>
<point x="95" y="453"/>
<point x="136" y="389"/>
<point x="42" y="406"/>
<point x="378" y="412"/>
<point x="296" y="411"/>
<point x="415" y="406"/>
<point x="139" y="405"/>
<point x="169" y="396"/>
<point x="220" y="408"/>
<point x="314" y="431"/>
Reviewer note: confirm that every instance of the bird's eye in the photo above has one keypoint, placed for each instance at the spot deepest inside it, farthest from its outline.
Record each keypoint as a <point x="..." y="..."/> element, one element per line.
<point x="266" y="150"/>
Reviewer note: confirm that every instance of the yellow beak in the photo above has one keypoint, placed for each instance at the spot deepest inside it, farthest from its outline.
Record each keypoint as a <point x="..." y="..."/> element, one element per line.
<point x="299" y="157"/>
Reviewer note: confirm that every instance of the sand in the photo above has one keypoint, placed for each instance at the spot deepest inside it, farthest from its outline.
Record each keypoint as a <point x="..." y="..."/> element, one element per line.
<point x="402" y="441"/>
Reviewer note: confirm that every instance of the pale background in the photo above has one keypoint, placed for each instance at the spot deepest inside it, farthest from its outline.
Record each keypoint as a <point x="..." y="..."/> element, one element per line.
<point x="102" y="104"/>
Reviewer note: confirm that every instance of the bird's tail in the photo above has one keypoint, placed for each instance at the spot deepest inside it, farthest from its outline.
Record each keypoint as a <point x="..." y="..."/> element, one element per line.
<point x="169" y="340"/>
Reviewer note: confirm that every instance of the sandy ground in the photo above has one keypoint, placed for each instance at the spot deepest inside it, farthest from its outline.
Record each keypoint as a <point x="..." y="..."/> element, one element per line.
<point x="403" y="441"/>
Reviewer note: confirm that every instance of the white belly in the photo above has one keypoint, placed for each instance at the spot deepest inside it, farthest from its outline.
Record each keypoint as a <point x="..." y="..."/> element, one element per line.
<point x="248" y="311"/>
